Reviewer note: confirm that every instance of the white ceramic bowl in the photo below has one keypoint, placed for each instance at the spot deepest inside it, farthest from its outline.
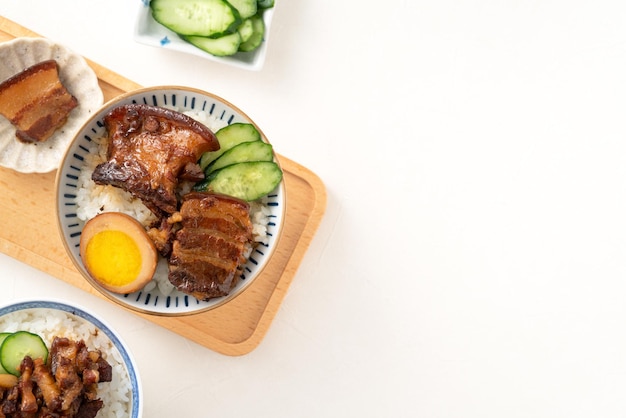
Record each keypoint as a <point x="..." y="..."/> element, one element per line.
<point x="42" y="318"/>
<point x="149" y="32"/>
<point x="155" y="300"/>
<point x="77" y="77"/>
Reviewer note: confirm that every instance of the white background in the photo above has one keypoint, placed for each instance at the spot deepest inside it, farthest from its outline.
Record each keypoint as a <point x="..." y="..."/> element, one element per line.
<point x="471" y="261"/>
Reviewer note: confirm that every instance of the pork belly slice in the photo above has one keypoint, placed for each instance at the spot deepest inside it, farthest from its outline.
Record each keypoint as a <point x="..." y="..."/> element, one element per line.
<point x="36" y="102"/>
<point x="149" y="150"/>
<point x="209" y="249"/>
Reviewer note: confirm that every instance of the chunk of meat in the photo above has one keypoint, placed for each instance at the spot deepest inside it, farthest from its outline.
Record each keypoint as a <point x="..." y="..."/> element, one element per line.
<point x="63" y="354"/>
<point x="149" y="149"/>
<point x="93" y="367"/>
<point x="163" y="234"/>
<point x="209" y="250"/>
<point x="10" y="403"/>
<point x="62" y="349"/>
<point x="48" y="386"/>
<point x="28" y="403"/>
<point x="89" y="408"/>
<point x="36" y="102"/>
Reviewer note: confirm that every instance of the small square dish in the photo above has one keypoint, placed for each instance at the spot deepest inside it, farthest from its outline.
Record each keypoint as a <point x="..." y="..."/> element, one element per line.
<point x="149" y="32"/>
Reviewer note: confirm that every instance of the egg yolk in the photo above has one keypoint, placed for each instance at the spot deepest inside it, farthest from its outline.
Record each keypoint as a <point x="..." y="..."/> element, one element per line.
<point x="113" y="257"/>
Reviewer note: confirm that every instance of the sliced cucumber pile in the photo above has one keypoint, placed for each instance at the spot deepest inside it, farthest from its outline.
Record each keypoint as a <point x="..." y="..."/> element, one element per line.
<point x="248" y="181"/>
<point x="15" y="346"/>
<point x="243" y="167"/>
<point x="255" y="39"/>
<point x="244" y="152"/>
<point x="246" y="8"/>
<point x="219" y="27"/>
<point x="228" y="137"/>
<point x="220" y="47"/>
<point x="210" y="18"/>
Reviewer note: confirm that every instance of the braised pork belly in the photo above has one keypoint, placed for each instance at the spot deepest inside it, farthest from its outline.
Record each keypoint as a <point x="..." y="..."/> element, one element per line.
<point x="210" y="247"/>
<point x="36" y="102"/>
<point x="150" y="150"/>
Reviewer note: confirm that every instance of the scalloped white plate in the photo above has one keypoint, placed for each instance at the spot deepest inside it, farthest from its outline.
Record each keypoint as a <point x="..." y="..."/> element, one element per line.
<point x="79" y="79"/>
<point x="149" y="32"/>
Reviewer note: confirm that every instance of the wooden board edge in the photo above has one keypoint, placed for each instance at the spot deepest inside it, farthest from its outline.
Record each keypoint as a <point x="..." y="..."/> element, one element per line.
<point x="282" y="286"/>
<point x="13" y="28"/>
<point x="273" y="304"/>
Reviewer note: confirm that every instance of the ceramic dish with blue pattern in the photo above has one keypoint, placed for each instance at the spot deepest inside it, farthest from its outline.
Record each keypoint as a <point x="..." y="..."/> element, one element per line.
<point x="122" y="396"/>
<point x="149" y="32"/>
<point x="159" y="297"/>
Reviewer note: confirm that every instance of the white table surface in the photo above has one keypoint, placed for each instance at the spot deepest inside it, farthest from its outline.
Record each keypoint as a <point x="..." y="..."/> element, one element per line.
<point x="471" y="261"/>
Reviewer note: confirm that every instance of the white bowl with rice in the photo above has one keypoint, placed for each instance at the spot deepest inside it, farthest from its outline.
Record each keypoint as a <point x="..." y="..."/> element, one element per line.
<point x="79" y="199"/>
<point x="122" y="396"/>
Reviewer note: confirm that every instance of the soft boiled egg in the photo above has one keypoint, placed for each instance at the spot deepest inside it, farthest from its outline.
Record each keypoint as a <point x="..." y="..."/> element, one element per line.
<point x="117" y="252"/>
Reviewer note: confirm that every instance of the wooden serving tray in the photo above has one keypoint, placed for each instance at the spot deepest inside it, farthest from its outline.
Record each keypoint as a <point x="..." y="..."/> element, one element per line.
<point x="30" y="234"/>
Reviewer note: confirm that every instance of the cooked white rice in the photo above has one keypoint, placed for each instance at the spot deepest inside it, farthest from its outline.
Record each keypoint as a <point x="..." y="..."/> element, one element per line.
<point x="93" y="199"/>
<point x="50" y="323"/>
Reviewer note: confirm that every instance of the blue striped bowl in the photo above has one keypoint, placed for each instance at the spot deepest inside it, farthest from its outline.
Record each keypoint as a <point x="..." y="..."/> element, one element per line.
<point x="153" y="301"/>
<point x="40" y="311"/>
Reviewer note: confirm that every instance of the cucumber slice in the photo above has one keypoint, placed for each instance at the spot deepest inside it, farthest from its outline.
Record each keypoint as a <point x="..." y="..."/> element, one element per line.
<point x="246" y="8"/>
<point x="220" y="47"/>
<point x="245" y="30"/>
<point x="3" y="335"/>
<point x="258" y="33"/>
<point x="196" y="17"/>
<point x="247" y="151"/>
<point x="247" y="181"/>
<point x="19" y="345"/>
<point x="228" y="137"/>
<point x="265" y="4"/>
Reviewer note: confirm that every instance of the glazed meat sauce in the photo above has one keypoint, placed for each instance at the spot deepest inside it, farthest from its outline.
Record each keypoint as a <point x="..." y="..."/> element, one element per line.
<point x="66" y="386"/>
